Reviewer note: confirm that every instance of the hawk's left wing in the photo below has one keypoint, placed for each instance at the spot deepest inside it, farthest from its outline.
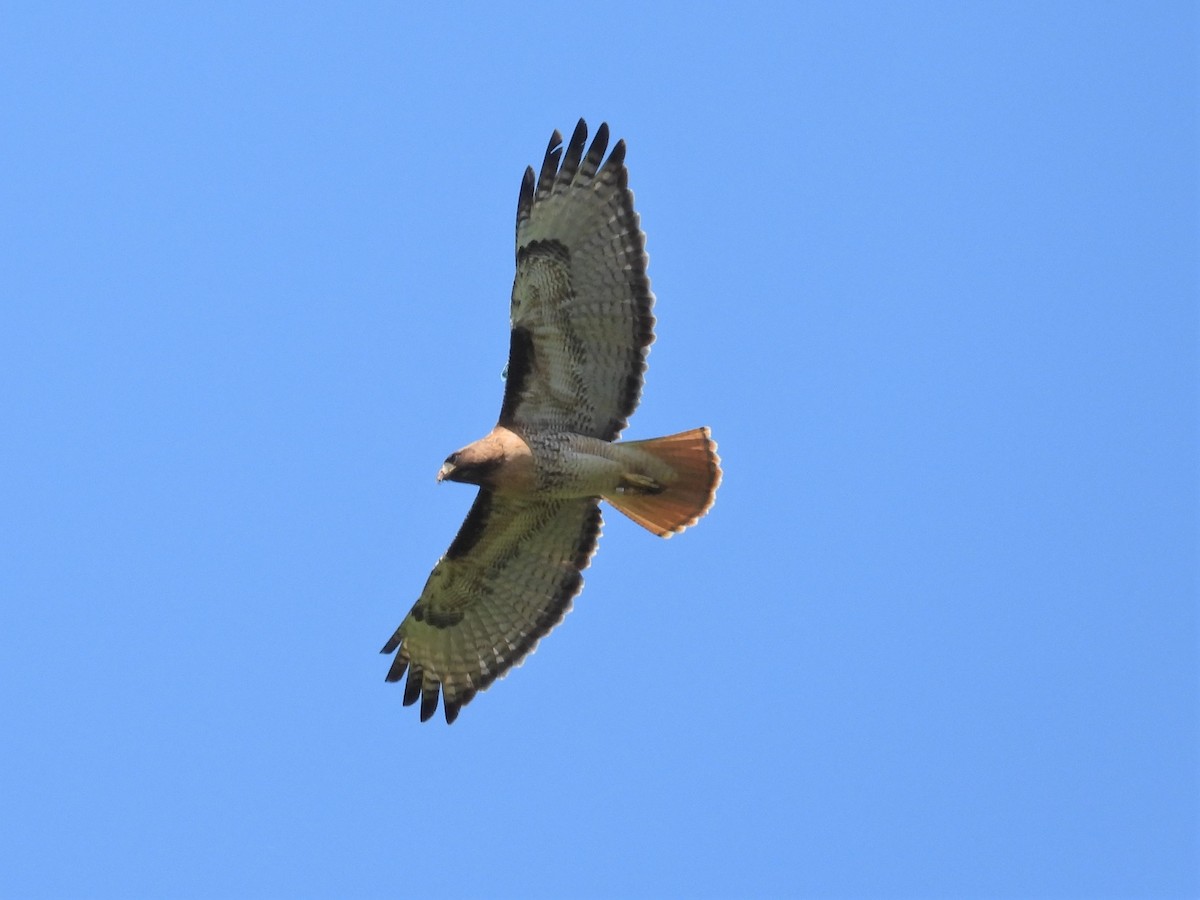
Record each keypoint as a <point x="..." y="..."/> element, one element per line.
<point x="507" y="579"/>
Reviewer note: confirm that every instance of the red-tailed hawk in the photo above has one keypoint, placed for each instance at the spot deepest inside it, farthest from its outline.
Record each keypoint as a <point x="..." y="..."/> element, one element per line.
<point x="581" y="329"/>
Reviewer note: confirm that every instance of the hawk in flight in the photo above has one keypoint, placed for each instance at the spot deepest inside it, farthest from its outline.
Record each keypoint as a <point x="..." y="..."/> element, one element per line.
<point x="581" y="329"/>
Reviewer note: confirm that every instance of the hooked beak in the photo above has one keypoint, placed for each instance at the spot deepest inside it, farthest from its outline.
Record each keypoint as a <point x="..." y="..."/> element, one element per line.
<point x="444" y="472"/>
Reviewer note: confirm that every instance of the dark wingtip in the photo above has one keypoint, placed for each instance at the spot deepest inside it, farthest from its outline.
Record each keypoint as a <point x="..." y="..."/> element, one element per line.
<point x="595" y="154"/>
<point x="617" y="158"/>
<point x="412" y="687"/>
<point x="545" y="179"/>
<point x="525" y="197"/>
<point x="452" y="705"/>
<point x="429" y="700"/>
<point x="574" y="153"/>
<point x="396" y="672"/>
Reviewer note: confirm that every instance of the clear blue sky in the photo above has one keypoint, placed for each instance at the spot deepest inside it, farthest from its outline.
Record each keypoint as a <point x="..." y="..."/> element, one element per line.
<point x="929" y="271"/>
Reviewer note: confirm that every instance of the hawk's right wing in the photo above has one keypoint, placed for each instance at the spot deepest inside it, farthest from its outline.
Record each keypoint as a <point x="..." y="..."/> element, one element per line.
<point x="581" y="303"/>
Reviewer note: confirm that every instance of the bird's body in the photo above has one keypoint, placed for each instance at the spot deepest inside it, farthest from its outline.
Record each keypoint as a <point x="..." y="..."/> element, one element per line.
<point x="554" y="464"/>
<point x="581" y="329"/>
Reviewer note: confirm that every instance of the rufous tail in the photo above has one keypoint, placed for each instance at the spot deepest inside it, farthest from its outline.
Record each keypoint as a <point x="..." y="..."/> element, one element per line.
<point x="670" y="501"/>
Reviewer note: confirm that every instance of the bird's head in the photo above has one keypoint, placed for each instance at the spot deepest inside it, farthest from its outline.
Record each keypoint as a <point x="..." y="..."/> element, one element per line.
<point x="473" y="464"/>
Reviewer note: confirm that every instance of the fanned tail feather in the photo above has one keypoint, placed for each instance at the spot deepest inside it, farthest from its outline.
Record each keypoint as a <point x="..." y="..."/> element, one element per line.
<point x="669" y="507"/>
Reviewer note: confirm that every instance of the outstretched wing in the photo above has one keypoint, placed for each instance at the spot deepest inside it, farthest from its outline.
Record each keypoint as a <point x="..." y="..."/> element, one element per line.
<point x="581" y="301"/>
<point x="507" y="579"/>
